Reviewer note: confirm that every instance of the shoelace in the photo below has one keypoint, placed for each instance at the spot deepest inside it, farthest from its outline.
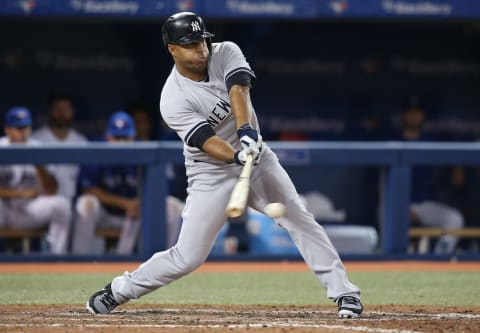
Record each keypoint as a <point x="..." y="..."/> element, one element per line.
<point x="350" y="300"/>
<point x="108" y="300"/>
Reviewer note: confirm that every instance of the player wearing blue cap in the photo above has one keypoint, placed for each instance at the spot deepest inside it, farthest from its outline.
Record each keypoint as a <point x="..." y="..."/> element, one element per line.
<point x="28" y="193"/>
<point x="109" y="196"/>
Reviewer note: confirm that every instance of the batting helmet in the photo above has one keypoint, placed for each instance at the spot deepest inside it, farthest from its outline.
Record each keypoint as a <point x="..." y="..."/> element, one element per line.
<point x="184" y="28"/>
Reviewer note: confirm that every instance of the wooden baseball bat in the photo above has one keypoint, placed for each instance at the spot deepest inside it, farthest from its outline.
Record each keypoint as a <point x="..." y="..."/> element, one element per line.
<point x="238" y="199"/>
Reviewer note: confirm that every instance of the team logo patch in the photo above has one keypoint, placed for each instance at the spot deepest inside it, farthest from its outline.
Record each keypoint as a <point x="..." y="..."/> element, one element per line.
<point x="22" y="115"/>
<point x="195" y="26"/>
<point x="120" y="123"/>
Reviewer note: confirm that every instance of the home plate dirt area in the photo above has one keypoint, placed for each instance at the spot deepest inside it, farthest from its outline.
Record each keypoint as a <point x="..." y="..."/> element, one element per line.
<point x="146" y="318"/>
<point x="201" y="318"/>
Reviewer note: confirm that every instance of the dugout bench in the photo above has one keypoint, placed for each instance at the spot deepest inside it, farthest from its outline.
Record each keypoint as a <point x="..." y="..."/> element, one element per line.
<point x="22" y="238"/>
<point x="421" y="237"/>
<point x="12" y="237"/>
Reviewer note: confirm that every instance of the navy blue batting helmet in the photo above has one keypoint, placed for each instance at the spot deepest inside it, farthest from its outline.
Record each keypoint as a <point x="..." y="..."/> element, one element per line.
<point x="184" y="28"/>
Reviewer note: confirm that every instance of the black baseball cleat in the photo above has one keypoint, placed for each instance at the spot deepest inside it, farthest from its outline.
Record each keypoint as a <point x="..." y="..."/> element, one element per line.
<point x="349" y="307"/>
<point x="102" y="302"/>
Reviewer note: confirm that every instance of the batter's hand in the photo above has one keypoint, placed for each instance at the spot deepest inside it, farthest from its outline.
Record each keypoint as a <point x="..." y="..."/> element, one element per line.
<point x="241" y="156"/>
<point x="250" y="139"/>
<point x="248" y="136"/>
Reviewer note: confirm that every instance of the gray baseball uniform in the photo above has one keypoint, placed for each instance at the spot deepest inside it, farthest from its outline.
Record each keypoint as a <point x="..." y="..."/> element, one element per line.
<point x="185" y="106"/>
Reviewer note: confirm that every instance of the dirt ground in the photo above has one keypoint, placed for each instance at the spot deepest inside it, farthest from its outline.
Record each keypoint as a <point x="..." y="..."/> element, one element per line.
<point x="223" y="319"/>
<point x="252" y="319"/>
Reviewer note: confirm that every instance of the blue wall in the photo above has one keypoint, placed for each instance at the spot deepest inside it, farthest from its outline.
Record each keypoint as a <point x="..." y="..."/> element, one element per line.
<point x="326" y="78"/>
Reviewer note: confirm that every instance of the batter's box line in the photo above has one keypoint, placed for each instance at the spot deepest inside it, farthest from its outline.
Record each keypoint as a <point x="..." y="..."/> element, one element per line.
<point x="222" y="312"/>
<point x="451" y="315"/>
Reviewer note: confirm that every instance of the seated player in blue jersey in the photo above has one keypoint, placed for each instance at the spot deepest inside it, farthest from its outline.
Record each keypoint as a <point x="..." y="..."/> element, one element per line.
<point x="110" y="197"/>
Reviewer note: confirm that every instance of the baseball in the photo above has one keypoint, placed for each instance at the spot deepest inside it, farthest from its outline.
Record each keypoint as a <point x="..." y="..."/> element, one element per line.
<point x="275" y="210"/>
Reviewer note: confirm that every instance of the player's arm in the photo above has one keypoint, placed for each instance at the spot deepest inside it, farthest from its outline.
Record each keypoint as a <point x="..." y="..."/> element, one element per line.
<point x="241" y="104"/>
<point x="219" y="149"/>
<point x="206" y="139"/>
<point x="47" y="181"/>
<point x="238" y="85"/>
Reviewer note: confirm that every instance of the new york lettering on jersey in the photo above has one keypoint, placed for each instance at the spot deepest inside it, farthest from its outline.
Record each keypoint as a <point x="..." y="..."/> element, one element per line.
<point x="219" y="113"/>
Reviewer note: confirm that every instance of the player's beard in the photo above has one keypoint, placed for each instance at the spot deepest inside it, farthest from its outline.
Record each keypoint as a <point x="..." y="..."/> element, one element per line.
<point x="61" y="123"/>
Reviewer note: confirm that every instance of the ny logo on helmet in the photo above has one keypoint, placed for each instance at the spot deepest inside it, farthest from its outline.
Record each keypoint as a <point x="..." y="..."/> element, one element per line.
<point x="195" y="26"/>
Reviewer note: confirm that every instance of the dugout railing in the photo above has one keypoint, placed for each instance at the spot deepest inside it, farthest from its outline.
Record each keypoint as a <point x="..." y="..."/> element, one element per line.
<point x="395" y="158"/>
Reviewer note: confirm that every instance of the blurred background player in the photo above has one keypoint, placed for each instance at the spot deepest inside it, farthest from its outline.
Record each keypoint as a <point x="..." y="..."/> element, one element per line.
<point x="59" y="129"/>
<point x="142" y="116"/>
<point x="424" y="210"/>
<point x="144" y="120"/>
<point x="29" y="193"/>
<point x="111" y="197"/>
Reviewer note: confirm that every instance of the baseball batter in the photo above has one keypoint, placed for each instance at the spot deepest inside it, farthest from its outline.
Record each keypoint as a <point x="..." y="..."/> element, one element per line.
<point x="206" y="101"/>
<point x="28" y="193"/>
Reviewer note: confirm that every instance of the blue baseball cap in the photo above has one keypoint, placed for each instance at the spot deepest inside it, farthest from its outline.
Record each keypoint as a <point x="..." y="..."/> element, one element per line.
<point x="18" y="116"/>
<point x="121" y="124"/>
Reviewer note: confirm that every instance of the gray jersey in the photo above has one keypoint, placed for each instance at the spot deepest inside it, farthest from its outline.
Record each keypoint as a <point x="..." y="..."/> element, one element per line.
<point x="186" y="105"/>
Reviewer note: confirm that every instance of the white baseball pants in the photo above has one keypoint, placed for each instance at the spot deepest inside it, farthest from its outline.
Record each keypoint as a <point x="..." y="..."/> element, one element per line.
<point x="53" y="211"/>
<point x="91" y="215"/>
